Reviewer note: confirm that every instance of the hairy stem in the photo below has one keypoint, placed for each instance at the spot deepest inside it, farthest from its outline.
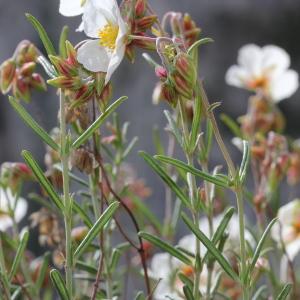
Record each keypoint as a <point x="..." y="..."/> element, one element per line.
<point x="66" y="196"/>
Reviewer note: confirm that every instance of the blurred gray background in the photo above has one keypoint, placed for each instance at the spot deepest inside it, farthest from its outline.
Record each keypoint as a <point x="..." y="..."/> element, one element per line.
<point x="231" y="23"/>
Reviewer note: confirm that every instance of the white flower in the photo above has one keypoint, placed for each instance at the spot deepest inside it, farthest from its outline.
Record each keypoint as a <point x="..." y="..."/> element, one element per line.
<point x="71" y="8"/>
<point x="265" y="70"/>
<point x="288" y="228"/>
<point x="7" y="202"/>
<point x="102" y="21"/>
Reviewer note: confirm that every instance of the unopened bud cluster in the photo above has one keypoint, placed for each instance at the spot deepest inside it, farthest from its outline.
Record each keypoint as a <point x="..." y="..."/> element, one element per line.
<point x="18" y="73"/>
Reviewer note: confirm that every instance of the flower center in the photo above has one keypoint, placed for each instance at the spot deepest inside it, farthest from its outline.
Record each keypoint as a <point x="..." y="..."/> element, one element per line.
<point x="187" y="270"/>
<point x="108" y="36"/>
<point x="259" y="83"/>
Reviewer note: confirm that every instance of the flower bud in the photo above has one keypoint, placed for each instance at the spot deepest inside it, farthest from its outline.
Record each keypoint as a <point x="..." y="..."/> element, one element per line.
<point x="161" y="72"/>
<point x="7" y="74"/>
<point x="71" y="54"/>
<point x="149" y="44"/>
<point x="66" y="82"/>
<point x="145" y="23"/>
<point x="182" y="86"/>
<point x="130" y="52"/>
<point x="38" y="82"/>
<point x="186" y="68"/>
<point x="191" y="31"/>
<point x="63" y="67"/>
<point x="27" y="52"/>
<point x="21" y="89"/>
<point x="27" y="69"/>
<point x="140" y="8"/>
<point x="169" y="93"/>
<point x="83" y="160"/>
<point x="105" y="96"/>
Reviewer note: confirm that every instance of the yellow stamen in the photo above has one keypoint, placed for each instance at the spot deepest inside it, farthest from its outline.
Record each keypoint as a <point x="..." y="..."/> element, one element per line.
<point x="108" y="36"/>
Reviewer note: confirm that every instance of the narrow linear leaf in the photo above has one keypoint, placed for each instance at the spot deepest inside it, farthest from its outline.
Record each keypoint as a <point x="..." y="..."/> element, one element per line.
<point x="140" y="296"/>
<point x="221" y="228"/>
<point x="188" y="293"/>
<point x="72" y="176"/>
<point x="232" y="125"/>
<point x="43" y="271"/>
<point x="59" y="284"/>
<point x="86" y="267"/>
<point x="165" y="246"/>
<point x="211" y="248"/>
<point x="165" y="177"/>
<point x="259" y="292"/>
<point x="95" y="230"/>
<point x="44" y="182"/>
<point x="16" y="293"/>
<point x="196" y="119"/>
<point x="116" y="255"/>
<point x="89" y="132"/>
<point x="285" y="292"/>
<point x="19" y="255"/>
<point x="42" y="33"/>
<point x="130" y="147"/>
<point x="62" y="41"/>
<point x="186" y="281"/>
<point x="85" y="218"/>
<point x="259" y="247"/>
<point x="174" y="128"/>
<point x="245" y="161"/>
<point x="181" y="165"/>
<point x="29" y="121"/>
<point x="47" y="66"/>
<point x="199" y="43"/>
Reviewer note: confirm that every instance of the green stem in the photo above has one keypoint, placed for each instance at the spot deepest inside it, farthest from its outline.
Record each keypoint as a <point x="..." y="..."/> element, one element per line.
<point x="4" y="273"/>
<point x="66" y="195"/>
<point x="240" y="204"/>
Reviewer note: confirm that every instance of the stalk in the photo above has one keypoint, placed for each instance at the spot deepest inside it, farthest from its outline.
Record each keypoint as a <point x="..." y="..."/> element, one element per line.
<point x="4" y="279"/>
<point x="66" y="195"/>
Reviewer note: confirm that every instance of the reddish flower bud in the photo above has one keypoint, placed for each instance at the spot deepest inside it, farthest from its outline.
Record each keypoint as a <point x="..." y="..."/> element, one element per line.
<point x="140" y="8"/>
<point x="168" y="93"/>
<point x="148" y="44"/>
<point x="71" y="54"/>
<point x="186" y="68"/>
<point x="145" y="23"/>
<point x="191" y="31"/>
<point x="27" y="69"/>
<point x="182" y="86"/>
<point x="21" y="89"/>
<point x="105" y="96"/>
<point x="27" y="52"/>
<point x="7" y="73"/>
<point x="66" y="82"/>
<point x="63" y="67"/>
<point x="161" y="72"/>
<point x="37" y="82"/>
<point x="83" y="160"/>
<point x="130" y="52"/>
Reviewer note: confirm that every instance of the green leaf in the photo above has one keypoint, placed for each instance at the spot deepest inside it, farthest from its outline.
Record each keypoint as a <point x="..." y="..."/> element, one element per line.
<point x="245" y="161"/>
<point x="129" y="147"/>
<point x="140" y="296"/>
<point x="84" y="216"/>
<point x="188" y="293"/>
<point x="42" y="33"/>
<point x="159" y="148"/>
<point x="221" y="228"/>
<point x="198" y="43"/>
<point x="95" y="230"/>
<point x="59" y="284"/>
<point x="165" y="177"/>
<point x="81" y="265"/>
<point x="217" y="180"/>
<point x="44" y="182"/>
<point x="47" y="66"/>
<point x="19" y="254"/>
<point x="211" y="248"/>
<point x="285" y="292"/>
<point x="174" y="128"/>
<point x="196" y="120"/>
<point x="186" y="281"/>
<point x="89" y="132"/>
<point x="232" y="125"/>
<point x="43" y="271"/>
<point x="62" y="41"/>
<point x="259" y="248"/>
<point x="29" y="121"/>
<point x="165" y="246"/>
<point x="116" y="255"/>
<point x="259" y="292"/>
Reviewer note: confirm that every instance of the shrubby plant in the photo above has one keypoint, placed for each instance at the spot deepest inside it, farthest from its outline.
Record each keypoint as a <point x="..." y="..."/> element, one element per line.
<point x="99" y="233"/>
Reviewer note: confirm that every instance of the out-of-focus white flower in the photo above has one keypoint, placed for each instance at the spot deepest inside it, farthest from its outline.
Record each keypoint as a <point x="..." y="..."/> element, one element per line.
<point x="265" y="70"/>
<point x="288" y="228"/>
<point x="7" y="202"/>
<point x="165" y="268"/>
<point x="102" y="21"/>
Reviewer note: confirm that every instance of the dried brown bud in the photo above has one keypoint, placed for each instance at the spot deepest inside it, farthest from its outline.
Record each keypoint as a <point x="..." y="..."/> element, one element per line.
<point x="83" y="160"/>
<point x="7" y="74"/>
<point x="78" y="233"/>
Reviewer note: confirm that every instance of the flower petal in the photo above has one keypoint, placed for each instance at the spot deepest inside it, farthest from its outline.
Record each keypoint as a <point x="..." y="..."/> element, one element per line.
<point x="237" y="76"/>
<point x="250" y="58"/>
<point x="284" y="85"/>
<point x="275" y="58"/>
<point x="293" y="248"/>
<point x="70" y="8"/>
<point x="97" y="14"/>
<point x="94" y="57"/>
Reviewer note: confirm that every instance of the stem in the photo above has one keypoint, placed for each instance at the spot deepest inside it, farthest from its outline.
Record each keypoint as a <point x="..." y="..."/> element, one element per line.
<point x="240" y="204"/>
<point x="4" y="273"/>
<point x="66" y="195"/>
